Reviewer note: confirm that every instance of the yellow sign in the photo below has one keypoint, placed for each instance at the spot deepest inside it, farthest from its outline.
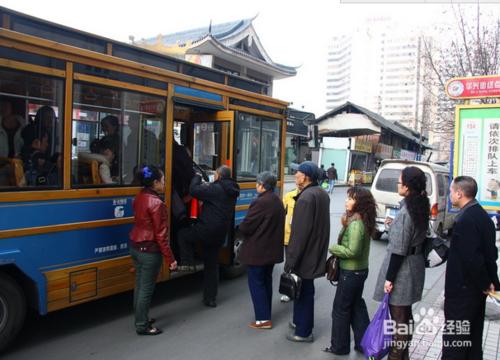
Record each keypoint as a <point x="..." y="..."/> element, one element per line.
<point x="363" y="146"/>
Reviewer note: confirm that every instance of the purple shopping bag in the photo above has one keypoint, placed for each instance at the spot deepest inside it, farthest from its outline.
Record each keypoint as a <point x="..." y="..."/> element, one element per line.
<point x="375" y="342"/>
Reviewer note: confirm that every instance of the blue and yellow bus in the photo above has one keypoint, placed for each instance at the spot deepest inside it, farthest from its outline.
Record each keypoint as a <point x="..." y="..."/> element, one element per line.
<point x="63" y="93"/>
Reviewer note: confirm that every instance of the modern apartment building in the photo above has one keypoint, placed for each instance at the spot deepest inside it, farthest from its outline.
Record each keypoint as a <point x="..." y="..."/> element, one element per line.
<point x="380" y="67"/>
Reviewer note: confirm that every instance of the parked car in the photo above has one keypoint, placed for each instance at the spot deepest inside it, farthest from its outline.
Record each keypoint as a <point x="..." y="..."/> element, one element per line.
<point x="385" y="192"/>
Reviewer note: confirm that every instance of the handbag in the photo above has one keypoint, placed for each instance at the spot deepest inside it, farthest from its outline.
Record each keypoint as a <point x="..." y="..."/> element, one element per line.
<point x="375" y="342"/>
<point x="290" y="285"/>
<point x="435" y="251"/>
<point x="332" y="266"/>
<point x="332" y="269"/>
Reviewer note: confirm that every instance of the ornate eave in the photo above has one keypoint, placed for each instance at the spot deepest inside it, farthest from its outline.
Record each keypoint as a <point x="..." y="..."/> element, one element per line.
<point x="212" y="46"/>
<point x="230" y="41"/>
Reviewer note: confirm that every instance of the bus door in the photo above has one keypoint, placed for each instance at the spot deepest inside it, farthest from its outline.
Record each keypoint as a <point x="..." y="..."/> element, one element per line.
<point x="205" y="135"/>
<point x="212" y="146"/>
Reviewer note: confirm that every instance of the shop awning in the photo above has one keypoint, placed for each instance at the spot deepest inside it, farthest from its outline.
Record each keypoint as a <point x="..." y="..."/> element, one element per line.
<point x="348" y="125"/>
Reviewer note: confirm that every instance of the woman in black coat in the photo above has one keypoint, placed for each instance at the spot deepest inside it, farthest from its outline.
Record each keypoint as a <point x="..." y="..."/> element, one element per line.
<point x="263" y="228"/>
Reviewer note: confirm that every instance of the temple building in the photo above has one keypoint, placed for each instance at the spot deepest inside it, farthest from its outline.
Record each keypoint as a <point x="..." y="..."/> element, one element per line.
<point x="232" y="47"/>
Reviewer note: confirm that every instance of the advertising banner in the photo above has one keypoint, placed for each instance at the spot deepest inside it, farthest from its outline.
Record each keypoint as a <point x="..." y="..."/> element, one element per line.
<point x="474" y="87"/>
<point x="477" y="150"/>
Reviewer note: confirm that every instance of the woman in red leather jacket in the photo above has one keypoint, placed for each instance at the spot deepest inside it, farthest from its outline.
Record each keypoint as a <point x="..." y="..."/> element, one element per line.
<point x="149" y="243"/>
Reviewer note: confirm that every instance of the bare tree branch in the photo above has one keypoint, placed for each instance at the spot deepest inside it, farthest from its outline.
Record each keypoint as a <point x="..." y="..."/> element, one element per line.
<point x="473" y="49"/>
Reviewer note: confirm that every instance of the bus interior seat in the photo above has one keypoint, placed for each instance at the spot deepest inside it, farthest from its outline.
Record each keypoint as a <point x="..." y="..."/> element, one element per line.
<point x="88" y="171"/>
<point x="11" y="172"/>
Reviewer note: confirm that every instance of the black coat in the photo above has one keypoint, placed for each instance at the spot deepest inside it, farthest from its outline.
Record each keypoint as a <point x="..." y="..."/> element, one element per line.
<point x="472" y="266"/>
<point x="263" y="228"/>
<point x="306" y="252"/>
<point x="219" y="200"/>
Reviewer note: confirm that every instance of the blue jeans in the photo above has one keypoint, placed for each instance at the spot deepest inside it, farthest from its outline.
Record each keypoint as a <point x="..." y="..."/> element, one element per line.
<point x="331" y="185"/>
<point x="349" y="310"/>
<point x="260" y="283"/>
<point x="303" y="309"/>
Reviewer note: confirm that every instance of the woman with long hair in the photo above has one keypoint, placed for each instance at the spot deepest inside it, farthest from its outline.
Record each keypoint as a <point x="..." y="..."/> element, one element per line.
<point x="353" y="249"/>
<point x="148" y="242"/>
<point x="402" y="273"/>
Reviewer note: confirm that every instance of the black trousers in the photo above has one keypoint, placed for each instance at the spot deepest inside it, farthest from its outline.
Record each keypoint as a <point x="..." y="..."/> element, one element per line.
<point x="464" y="322"/>
<point x="211" y="273"/>
<point x="349" y="310"/>
<point x="211" y="242"/>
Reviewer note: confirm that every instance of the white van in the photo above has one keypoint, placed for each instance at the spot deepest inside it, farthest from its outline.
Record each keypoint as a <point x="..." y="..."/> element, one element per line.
<point x="385" y="192"/>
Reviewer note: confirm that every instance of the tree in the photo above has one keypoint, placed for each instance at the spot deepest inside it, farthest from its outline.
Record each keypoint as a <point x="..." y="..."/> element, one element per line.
<point x="469" y="46"/>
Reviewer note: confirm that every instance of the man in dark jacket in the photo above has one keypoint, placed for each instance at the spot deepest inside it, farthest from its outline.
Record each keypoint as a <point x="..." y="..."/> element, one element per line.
<point x="308" y="246"/>
<point x="471" y="272"/>
<point x="263" y="228"/>
<point x="219" y="200"/>
<point x="332" y="177"/>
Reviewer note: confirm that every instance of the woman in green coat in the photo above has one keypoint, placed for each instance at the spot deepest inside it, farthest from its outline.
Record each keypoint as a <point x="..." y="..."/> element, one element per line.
<point x="353" y="249"/>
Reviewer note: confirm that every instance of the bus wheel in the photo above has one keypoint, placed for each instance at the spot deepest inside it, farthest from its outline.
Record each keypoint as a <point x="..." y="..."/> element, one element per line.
<point x="12" y="310"/>
<point x="237" y="268"/>
<point x="377" y="235"/>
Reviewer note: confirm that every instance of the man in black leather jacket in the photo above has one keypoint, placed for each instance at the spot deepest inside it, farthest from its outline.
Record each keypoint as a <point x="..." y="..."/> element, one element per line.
<point x="219" y="200"/>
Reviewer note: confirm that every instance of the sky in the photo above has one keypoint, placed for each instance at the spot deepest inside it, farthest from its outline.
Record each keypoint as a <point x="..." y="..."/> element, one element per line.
<point x="293" y="32"/>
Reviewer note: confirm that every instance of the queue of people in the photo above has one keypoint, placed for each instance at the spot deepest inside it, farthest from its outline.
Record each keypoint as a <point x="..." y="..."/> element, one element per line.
<point x="301" y="225"/>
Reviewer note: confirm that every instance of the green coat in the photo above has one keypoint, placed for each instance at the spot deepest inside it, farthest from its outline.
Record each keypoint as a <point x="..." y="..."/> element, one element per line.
<point x="354" y="247"/>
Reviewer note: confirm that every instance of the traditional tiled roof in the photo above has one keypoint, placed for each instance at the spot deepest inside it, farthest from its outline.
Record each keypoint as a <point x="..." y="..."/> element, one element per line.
<point x="218" y="31"/>
<point x="217" y="34"/>
<point x="289" y="69"/>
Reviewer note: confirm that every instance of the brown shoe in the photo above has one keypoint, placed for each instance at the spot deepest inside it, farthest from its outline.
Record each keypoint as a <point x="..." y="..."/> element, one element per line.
<point x="263" y="325"/>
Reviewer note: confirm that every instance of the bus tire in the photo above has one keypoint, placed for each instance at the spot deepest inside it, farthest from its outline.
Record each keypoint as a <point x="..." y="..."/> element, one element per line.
<point x="377" y="235"/>
<point x="12" y="310"/>
<point x="237" y="268"/>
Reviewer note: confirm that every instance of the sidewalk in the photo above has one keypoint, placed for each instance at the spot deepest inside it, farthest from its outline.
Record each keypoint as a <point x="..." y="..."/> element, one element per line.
<point x="429" y="312"/>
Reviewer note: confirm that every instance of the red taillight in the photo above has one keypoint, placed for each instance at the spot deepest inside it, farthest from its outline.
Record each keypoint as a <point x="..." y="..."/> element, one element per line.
<point x="434" y="211"/>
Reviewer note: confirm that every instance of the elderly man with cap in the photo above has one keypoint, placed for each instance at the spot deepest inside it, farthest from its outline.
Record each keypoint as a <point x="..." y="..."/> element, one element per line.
<point x="308" y="246"/>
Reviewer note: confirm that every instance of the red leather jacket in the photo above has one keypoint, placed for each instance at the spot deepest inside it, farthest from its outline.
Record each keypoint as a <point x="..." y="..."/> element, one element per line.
<point x="150" y="216"/>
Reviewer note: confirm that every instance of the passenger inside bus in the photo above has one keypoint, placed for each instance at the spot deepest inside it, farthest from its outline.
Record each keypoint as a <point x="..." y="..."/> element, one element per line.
<point x="110" y="126"/>
<point x="108" y="156"/>
<point x="35" y="157"/>
<point x="44" y="124"/>
<point x="11" y="142"/>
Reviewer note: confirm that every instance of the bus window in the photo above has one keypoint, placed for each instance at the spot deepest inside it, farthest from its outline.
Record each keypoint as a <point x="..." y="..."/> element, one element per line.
<point x="211" y="144"/>
<point x="114" y="133"/>
<point x="270" y="144"/>
<point x="258" y="146"/>
<point x="248" y="147"/>
<point x="30" y="130"/>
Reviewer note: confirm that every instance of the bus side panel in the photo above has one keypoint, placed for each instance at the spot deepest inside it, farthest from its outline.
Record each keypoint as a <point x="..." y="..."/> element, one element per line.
<point x="50" y="260"/>
<point x="22" y="215"/>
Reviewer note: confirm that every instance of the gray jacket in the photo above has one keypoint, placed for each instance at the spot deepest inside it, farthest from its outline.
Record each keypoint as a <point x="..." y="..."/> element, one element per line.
<point x="306" y="252"/>
<point x="409" y="282"/>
